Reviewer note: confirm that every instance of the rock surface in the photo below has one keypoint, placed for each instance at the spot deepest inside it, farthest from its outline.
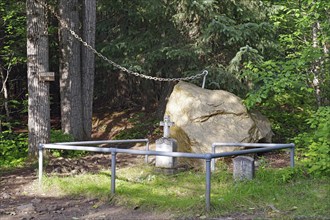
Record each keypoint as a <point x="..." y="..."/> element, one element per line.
<point x="203" y="117"/>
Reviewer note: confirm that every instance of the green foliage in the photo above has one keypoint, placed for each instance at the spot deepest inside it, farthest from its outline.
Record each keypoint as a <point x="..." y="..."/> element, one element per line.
<point x="277" y="83"/>
<point x="57" y="136"/>
<point x="304" y="36"/>
<point x="13" y="148"/>
<point x="281" y="93"/>
<point x="12" y="32"/>
<point x="141" y="126"/>
<point x="179" y="38"/>
<point x="12" y="57"/>
<point x="315" y="143"/>
<point x="231" y="78"/>
<point x="288" y="87"/>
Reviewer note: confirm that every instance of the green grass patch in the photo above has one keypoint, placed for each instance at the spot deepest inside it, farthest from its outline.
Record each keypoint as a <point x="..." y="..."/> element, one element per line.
<point x="274" y="192"/>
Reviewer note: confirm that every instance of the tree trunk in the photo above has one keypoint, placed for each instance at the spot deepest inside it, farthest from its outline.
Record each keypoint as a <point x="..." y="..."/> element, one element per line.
<point x="37" y="62"/>
<point x="87" y="67"/>
<point x="4" y="90"/>
<point x="316" y="68"/>
<point x="70" y="72"/>
<point x="166" y="92"/>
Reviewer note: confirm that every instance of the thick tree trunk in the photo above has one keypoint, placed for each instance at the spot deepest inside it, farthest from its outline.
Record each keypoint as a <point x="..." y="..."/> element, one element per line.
<point x="37" y="62"/>
<point x="87" y="68"/>
<point x="70" y="72"/>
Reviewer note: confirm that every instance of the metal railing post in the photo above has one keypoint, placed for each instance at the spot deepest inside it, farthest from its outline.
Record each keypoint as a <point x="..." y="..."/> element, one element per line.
<point x="208" y="184"/>
<point x="213" y="159"/>
<point x="204" y="79"/>
<point x="113" y="172"/>
<point x="40" y="163"/>
<point x="292" y="156"/>
<point x="147" y="149"/>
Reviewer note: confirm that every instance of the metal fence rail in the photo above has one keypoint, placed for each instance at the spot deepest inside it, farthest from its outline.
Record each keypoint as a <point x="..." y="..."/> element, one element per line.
<point x="207" y="157"/>
<point x="108" y="142"/>
<point x="256" y="145"/>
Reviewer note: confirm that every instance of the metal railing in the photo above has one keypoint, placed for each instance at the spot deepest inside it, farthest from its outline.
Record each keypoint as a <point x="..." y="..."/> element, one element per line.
<point x="256" y="145"/>
<point x="108" y="142"/>
<point x="207" y="157"/>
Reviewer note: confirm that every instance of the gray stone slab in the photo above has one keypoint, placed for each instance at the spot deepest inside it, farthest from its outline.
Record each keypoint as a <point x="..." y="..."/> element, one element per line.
<point x="243" y="168"/>
<point x="167" y="145"/>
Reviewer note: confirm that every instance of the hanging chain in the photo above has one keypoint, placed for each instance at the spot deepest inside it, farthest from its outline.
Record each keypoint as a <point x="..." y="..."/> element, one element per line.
<point x="65" y="25"/>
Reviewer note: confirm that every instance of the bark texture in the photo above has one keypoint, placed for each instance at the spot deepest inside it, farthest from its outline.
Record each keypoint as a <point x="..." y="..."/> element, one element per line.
<point x="37" y="62"/>
<point x="87" y="66"/>
<point x="70" y="71"/>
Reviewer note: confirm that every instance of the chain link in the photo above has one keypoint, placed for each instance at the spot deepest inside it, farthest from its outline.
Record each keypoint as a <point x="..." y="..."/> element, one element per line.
<point x="65" y="25"/>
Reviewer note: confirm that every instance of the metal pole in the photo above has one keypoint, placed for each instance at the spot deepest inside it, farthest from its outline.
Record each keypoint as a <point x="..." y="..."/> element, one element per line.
<point x="113" y="172"/>
<point x="251" y="145"/>
<point x="147" y="149"/>
<point x="213" y="159"/>
<point x="208" y="184"/>
<point x="204" y="79"/>
<point x="102" y="142"/>
<point x="40" y="163"/>
<point x="292" y="157"/>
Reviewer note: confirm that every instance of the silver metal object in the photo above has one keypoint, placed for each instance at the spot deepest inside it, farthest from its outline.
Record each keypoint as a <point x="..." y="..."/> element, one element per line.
<point x="40" y="159"/>
<point x="110" y="142"/>
<point x="292" y="157"/>
<point x="204" y="78"/>
<point x="208" y="184"/>
<point x="104" y="142"/>
<point x="261" y="145"/>
<point x="113" y="172"/>
<point x="207" y="157"/>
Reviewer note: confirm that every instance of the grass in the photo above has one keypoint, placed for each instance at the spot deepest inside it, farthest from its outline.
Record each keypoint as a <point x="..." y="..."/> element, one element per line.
<point x="280" y="193"/>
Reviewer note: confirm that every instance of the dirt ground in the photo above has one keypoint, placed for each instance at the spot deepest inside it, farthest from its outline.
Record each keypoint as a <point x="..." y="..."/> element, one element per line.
<point x="21" y="199"/>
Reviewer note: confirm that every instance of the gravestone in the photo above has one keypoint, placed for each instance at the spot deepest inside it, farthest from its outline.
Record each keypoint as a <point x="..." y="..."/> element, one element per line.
<point x="166" y="144"/>
<point x="243" y="168"/>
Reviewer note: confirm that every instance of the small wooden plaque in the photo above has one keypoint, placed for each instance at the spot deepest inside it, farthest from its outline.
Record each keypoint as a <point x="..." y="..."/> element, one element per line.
<point x="47" y="76"/>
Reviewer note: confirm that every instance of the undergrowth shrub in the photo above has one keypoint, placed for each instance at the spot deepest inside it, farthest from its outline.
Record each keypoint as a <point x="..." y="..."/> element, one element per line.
<point x="281" y="95"/>
<point x="142" y="125"/>
<point x="13" y="148"/>
<point x="315" y="144"/>
<point x="57" y="136"/>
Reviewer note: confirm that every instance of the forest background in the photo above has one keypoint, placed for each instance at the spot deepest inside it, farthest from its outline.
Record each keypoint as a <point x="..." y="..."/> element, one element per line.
<point x="272" y="54"/>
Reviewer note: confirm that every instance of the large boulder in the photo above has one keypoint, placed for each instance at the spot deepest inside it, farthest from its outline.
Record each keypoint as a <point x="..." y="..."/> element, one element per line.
<point x="203" y="117"/>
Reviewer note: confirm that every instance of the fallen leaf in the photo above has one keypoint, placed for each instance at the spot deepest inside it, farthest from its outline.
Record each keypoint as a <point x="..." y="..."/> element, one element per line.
<point x="274" y="208"/>
<point x="293" y="208"/>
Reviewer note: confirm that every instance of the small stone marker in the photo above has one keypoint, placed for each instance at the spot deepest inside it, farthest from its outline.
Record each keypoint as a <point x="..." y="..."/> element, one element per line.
<point x="166" y="144"/>
<point x="243" y="168"/>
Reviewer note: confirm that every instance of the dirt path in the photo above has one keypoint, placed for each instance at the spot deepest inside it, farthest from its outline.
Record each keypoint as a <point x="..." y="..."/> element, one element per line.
<point x="21" y="199"/>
